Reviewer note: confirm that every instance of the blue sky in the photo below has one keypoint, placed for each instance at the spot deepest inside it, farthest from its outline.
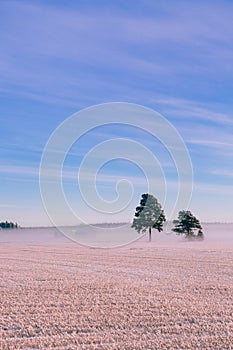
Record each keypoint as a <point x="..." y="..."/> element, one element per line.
<point x="57" y="58"/>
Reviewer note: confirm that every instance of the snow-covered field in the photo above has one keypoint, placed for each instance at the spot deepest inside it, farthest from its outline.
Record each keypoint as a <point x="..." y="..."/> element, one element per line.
<point x="167" y="294"/>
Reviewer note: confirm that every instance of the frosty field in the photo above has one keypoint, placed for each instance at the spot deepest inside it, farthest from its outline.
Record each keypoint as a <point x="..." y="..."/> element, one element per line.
<point x="167" y="294"/>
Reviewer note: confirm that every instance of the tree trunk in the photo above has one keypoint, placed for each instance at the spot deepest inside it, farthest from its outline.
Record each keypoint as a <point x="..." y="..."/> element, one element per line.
<point x="149" y="234"/>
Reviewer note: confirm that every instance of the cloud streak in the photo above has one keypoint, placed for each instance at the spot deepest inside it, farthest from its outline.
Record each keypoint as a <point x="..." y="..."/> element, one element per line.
<point x="90" y="39"/>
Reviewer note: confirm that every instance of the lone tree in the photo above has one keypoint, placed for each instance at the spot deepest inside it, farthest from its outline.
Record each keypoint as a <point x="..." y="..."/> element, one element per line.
<point x="188" y="225"/>
<point x="148" y="215"/>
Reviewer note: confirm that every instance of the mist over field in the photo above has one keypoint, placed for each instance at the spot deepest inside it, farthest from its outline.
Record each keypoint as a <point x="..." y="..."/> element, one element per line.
<point x="216" y="235"/>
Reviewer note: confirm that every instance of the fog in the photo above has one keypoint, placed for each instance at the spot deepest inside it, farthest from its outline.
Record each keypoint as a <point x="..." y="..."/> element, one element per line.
<point x="216" y="236"/>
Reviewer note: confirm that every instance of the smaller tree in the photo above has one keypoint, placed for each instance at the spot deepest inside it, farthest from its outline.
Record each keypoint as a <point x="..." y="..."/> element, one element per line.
<point x="148" y="215"/>
<point x="188" y="225"/>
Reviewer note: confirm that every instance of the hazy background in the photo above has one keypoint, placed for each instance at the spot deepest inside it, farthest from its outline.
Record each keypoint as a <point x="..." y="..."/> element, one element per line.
<point x="217" y="237"/>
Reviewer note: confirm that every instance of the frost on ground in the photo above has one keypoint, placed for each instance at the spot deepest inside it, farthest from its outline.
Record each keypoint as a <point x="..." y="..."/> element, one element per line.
<point x="142" y="296"/>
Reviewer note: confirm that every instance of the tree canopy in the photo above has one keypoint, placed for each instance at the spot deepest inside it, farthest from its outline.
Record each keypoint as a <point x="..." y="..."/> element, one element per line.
<point x="149" y="214"/>
<point x="187" y="224"/>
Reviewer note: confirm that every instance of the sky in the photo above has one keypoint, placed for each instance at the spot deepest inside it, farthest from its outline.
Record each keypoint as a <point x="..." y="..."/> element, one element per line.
<point x="58" y="58"/>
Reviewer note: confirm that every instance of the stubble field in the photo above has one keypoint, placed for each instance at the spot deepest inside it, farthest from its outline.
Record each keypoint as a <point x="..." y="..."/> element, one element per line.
<point x="143" y="296"/>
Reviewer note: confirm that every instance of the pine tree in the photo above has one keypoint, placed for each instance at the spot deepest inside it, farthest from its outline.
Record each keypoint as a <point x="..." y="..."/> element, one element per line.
<point x="188" y="225"/>
<point x="148" y="215"/>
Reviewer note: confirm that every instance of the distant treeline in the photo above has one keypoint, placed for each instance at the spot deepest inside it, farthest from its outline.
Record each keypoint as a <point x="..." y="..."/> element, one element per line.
<point x="7" y="224"/>
<point x="110" y="224"/>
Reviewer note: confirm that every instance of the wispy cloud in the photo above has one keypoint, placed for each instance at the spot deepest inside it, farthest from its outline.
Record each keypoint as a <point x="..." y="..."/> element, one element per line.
<point x="211" y="143"/>
<point x="72" y="174"/>
<point x="19" y="170"/>
<point x="195" y="110"/>
<point x="94" y="41"/>
<point x="223" y="172"/>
